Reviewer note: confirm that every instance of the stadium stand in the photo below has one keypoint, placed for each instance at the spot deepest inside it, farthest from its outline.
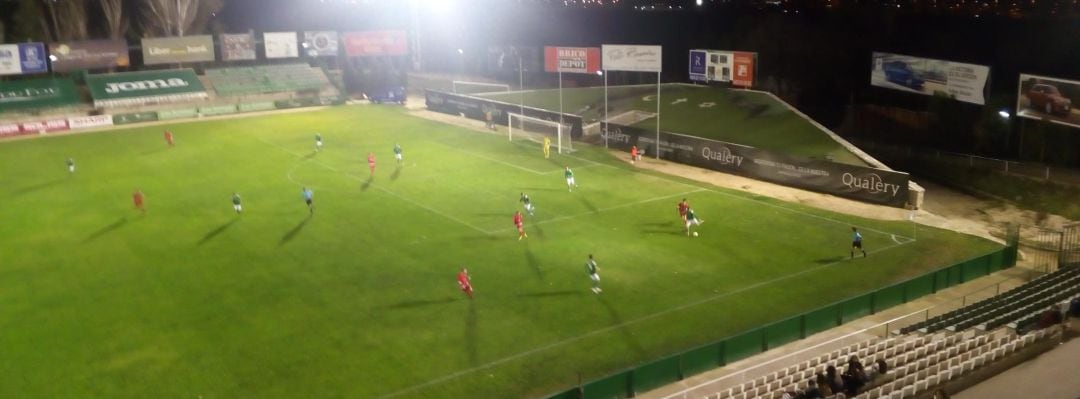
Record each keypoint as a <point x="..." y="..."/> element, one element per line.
<point x="249" y="80"/>
<point x="1019" y="307"/>
<point x="916" y="364"/>
<point x="37" y="95"/>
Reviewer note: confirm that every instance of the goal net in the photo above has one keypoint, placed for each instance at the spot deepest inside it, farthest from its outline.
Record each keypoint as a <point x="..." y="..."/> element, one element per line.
<point x="464" y="87"/>
<point x="535" y="129"/>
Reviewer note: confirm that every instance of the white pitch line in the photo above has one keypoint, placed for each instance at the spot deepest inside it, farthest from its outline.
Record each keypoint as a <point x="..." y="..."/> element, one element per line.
<point x="398" y="196"/>
<point x="530" y="170"/>
<point x="628" y="204"/>
<point x="756" y="201"/>
<point x="617" y="326"/>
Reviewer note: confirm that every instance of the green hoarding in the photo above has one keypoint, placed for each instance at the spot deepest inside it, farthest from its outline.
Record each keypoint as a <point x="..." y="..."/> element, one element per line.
<point x="182" y="113"/>
<point x="145" y="87"/>
<point x="37" y="93"/>
<point x="123" y="119"/>
<point x="218" y="109"/>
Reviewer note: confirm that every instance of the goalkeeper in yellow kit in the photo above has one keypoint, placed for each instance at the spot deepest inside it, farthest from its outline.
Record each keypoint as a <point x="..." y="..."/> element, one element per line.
<point x="547" y="147"/>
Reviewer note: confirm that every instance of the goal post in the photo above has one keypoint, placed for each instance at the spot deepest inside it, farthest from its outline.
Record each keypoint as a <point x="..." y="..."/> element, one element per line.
<point x="520" y="126"/>
<point x="464" y="87"/>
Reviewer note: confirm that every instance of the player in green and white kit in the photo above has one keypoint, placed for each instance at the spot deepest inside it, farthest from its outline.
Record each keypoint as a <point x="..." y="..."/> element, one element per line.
<point x="570" y="184"/>
<point x="318" y="142"/>
<point x="528" y="203"/>
<point x="692" y="220"/>
<point x="236" y="203"/>
<point x="397" y="153"/>
<point x="594" y="274"/>
<point x="71" y="165"/>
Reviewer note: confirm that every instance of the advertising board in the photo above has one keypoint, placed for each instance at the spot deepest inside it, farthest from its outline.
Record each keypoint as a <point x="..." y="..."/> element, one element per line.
<point x="239" y="46"/>
<point x="1049" y="99"/>
<point x="633" y="58"/>
<point x="572" y="59"/>
<point x="280" y="44"/>
<point x="376" y="43"/>
<point x="174" y="50"/>
<point x="88" y="54"/>
<point x="930" y="77"/>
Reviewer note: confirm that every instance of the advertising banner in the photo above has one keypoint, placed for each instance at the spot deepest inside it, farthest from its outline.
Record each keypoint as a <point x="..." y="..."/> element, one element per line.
<point x="145" y="87"/>
<point x="850" y="181"/>
<point x="376" y="43"/>
<point x="84" y="122"/>
<point x="571" y="59"/>
<point x="239" y="46"/>
<point x="475" y="108"/>
<point x="10" y="130"/>
<point x="22" y="58"/>
<point x="743" y="68"/>
<point x="505" y="59"/>
<point x="173" y="50"/>
<point x="632" y="58"/>
<point x="280" y="44"/>
<point x="37" y="93"/>
<point x="1049" y="99"/>
<point x="45" y="126"/>
<point x="956" y="80"/>
<point x="88" y="54"/>
<point x="697" y="65"/>
<point x="321" y="44"/>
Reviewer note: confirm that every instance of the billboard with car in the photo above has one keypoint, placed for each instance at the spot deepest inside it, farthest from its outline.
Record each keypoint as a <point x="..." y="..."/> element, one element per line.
<point x="1049" y="99"/>
<point x="955" y="80"/>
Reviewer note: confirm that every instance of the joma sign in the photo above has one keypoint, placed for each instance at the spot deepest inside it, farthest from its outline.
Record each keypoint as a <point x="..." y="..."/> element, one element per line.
<point x="157" y="84"/>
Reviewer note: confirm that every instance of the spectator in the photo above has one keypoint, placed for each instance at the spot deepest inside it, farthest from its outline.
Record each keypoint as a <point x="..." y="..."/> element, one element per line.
<point x="1074" y="307"/>
<point x="851" y="381"/>
<point x="812" y="391"/>
<point x="941" y="394"/>
<point x="856" y="365"/>
<point x="1050" y="317"/>
<point x="879" y="369"/>
<point x="836" y="384"/>
<point x="823" y="385"/>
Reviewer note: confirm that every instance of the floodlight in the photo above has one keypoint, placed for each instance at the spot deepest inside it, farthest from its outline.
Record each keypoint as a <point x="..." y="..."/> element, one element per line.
<point x="1004" y="114"/>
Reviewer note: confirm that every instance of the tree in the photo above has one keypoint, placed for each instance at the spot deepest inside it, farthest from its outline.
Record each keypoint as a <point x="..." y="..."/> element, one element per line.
<point x="29" y="22"/>
<point x="116" y="23"/>
<point x="66" y="19"/>
<point x="177" y="17"/>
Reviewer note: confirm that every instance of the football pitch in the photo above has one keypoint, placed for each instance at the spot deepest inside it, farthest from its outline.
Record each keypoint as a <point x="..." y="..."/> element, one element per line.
<point x="359" y="299"/>
<point x="742" y="117"/>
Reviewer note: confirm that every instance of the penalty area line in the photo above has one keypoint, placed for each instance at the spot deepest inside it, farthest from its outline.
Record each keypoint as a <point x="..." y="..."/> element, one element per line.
<point x="519" y="355"/>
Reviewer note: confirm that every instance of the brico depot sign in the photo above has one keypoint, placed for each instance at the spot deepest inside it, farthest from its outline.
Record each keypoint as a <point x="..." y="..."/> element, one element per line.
<point x="571" y="59"/>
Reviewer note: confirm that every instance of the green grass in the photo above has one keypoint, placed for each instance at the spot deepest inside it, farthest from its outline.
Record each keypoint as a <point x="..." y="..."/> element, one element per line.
<point x="359" y="300"/>
<point x="741" y="117"/>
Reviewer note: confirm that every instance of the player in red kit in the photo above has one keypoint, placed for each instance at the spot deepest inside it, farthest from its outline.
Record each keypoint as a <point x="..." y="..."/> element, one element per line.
<point x="683" y="207"/>
<point x="520" y="224"/>
<point x="463" y="282"/>
<point x="137" y="198"/>
<point x="371" y="162"/>
<point x="169" y="138"/>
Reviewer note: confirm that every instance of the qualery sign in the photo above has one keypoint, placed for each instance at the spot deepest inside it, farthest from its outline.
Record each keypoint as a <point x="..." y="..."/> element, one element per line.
<point x="571" y="59"/>
<point x="321" y="44"/>
<point x="632" y="58"/>
<point x="88" y="54"/>
<point x="280" y="44"/>
<point x="930" y="77"/>
<point x="22" y="58"/>
<point x="174" y="50"/>
<point x="376" y="43"/>
<point x="240" y="46"/>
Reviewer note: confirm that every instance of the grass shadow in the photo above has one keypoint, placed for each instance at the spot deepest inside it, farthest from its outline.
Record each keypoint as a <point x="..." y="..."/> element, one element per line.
<point x="310" y="155"/>
<point x="470" y="335"/>
<point x="538" y="230"/>
<point x="37" y="187"/>
<point x="617" y="323"/>
<point x="367" y="183"/>
<point x="420" y="303"/>
<point x="289" y="236"/>
<point x="826" y="261"/>
<point x="588" y="204"/>
<point x="107" y="229"/>
<point x="396" y="174"/>
<point x="531" y="189"/>
<point x="533" y="262"/>
<point x="672" y="231"/>
<point x="548" y="294"/>
<point x="154" y="151"/>
<point x="218" y="230"/>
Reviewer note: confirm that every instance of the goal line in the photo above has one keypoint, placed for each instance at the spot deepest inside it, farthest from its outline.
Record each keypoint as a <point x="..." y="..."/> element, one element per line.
<point x="536" y="129"/>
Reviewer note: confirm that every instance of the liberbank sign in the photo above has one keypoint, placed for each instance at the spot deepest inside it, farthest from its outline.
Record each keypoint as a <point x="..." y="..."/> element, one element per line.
<point x="146" y="87"/>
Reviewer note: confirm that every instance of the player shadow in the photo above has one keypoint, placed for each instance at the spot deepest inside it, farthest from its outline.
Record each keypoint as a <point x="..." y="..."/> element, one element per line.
<point x="531" y="189"/>
<point x="617" y="323"/>
<point x="538" y="230"/>
<point x="367" y="183"/>
<point x="662" y="228"/>
<point x="588" y="204"/>
<point x="37" y="187"/>
<point x="310" y="155"/>
<point x="106" y="230"/>
<point x="420" y="303"/>
<point x="470" y="335"/>
<point x="154" y="151"/>
<point x="533" y="262"/>
<point x="217" y="230"/>
<point x="396" y="174"/>
<point x="826" y="261"/>
<point x="294" y="232"/>
<point x="549" y="294"/>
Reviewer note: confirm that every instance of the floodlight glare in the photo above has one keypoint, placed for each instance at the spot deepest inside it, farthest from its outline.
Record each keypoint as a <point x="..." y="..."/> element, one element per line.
<point x="460" y="51"/>
<point x="699" y="2"/>
<point x="1004" y="114"/>
<point x="599" y="73"/>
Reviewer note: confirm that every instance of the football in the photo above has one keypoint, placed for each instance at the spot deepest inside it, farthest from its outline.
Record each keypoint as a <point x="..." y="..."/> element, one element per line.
<point x="695" y="234"/>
